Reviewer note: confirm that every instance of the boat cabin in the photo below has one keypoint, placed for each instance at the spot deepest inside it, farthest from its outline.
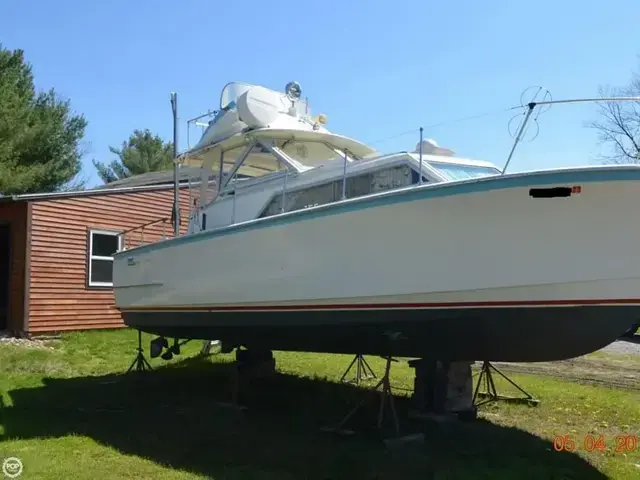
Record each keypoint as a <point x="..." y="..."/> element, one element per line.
<point x="271" y="157"/>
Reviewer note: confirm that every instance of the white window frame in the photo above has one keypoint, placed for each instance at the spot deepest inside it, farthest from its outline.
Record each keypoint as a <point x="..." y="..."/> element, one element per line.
<point x="91" y="257"/>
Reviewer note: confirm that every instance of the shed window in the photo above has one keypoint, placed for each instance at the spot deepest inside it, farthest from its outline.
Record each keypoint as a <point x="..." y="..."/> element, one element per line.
<point x="102" y="246"/>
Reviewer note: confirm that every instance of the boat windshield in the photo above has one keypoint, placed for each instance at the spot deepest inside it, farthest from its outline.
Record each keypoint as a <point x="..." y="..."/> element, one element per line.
<point x="456" y="171"/>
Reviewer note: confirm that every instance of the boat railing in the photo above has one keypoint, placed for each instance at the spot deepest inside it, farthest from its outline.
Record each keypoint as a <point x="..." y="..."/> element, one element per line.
<point x="154" y="230"/>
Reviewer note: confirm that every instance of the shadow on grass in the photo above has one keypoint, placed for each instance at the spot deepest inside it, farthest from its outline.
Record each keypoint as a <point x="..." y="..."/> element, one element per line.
<point x="631" y="339"/>
<point x="169" y="416"/>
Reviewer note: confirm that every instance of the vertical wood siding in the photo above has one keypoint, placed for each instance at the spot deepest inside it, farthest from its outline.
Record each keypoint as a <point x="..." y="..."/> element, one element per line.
<point x="60" y="298"/>
<point x="16" y="215"/>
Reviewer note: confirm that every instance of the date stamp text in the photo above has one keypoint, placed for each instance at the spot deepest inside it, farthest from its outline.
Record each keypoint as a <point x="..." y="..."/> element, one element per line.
<point x="596" y="443"/>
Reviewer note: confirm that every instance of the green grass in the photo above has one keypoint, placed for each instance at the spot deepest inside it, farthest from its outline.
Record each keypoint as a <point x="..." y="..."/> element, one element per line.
<point x="69" y="413"/>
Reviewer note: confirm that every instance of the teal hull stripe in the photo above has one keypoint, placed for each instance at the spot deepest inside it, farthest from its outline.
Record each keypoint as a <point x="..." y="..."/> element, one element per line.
<point x="392" y="197"/>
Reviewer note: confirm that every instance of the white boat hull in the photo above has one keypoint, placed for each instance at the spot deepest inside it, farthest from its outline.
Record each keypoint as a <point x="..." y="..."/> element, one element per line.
<point x="472" y="270"/>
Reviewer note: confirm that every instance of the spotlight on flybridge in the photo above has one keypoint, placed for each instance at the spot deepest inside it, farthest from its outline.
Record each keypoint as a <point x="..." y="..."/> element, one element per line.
<point x="293" y="90"/>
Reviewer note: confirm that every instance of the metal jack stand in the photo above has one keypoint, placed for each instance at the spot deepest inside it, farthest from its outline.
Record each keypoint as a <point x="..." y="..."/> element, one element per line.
<point x="491" y="391"/>
<point x="386" y="395"/>
<point x="363" y="370"/>
<point x="140" y="363"/>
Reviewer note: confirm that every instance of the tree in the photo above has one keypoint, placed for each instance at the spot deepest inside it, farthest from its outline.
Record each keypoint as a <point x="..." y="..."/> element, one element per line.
<point x="620" y="124"/>
<point x="142" y="153"/>
<point x="39" y="135"/>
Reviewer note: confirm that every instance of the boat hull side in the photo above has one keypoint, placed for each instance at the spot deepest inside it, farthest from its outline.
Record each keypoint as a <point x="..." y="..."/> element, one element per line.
<point x="510" y="334"/>
<point x="464" y="243"/>
<point x="496" y="241"/>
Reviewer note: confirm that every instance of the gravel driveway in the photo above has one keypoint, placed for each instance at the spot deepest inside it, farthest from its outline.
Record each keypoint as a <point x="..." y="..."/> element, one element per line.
<point x="629" y="346"/>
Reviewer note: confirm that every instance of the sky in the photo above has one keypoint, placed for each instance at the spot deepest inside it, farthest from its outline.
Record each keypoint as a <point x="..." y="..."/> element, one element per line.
<point x="378" y="70"/>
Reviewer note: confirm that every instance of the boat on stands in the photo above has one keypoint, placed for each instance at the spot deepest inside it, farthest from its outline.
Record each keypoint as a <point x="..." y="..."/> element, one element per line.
<point x="313" y="241"/>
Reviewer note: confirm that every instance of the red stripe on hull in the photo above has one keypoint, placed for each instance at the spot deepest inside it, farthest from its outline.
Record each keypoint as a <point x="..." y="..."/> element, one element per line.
<point x="390" y="306"/>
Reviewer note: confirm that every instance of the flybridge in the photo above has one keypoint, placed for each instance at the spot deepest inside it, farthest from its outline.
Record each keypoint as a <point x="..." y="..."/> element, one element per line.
<point x="262" y="150"/>
<point x="245" y="107"/>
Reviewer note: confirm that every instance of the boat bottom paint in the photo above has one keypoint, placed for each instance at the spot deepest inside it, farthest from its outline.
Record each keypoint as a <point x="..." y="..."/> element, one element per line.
<point x="507" y="334"/>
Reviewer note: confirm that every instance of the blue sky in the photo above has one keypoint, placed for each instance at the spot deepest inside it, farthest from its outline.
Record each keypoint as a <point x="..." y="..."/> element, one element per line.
<point x="377" y="69"/>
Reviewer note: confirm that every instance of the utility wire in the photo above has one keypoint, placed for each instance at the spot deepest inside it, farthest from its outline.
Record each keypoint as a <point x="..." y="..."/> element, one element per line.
<point x="447" y="122"/>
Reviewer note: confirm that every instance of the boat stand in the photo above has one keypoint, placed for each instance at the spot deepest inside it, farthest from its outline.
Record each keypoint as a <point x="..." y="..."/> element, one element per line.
<point x="235" y="389"/>
<point x="363" y="370"/>
<point x="249" y="365"/>
<point x="386" y="395"/>
<point x="491" y="393"/>
<point x="140" y="363"/>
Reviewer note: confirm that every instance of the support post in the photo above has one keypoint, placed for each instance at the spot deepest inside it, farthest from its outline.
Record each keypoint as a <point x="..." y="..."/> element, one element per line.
<point x="420" y="157"/>
<point x="344" y="176"/>
<point x="233" y="202"/>
<point x="284" y="190"/>
<point x="249" y="365"/>
<point x="442" y="390"/>
<point x="176" y="167"/>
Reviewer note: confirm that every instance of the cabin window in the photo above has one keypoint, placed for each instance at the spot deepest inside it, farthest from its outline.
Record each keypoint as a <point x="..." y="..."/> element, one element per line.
<point x="356" y="186"/>
<point x="454" y="172"/>
<point x="102" y="246"/>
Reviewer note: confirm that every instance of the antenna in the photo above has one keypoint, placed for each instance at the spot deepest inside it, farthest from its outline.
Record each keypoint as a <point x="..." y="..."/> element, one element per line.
<point x="528" y="96"/>
<point x="538" y="92"/>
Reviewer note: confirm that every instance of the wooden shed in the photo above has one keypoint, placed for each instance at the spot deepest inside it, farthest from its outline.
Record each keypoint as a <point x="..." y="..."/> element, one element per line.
<point x="55" y="252"/>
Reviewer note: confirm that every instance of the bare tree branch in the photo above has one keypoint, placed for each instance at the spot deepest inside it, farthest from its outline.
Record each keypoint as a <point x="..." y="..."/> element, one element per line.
<point x="619" y="126"/>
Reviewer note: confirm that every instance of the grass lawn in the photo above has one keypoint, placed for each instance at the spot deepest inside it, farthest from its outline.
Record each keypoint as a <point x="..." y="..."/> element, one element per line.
<point x="68" y="413"/>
